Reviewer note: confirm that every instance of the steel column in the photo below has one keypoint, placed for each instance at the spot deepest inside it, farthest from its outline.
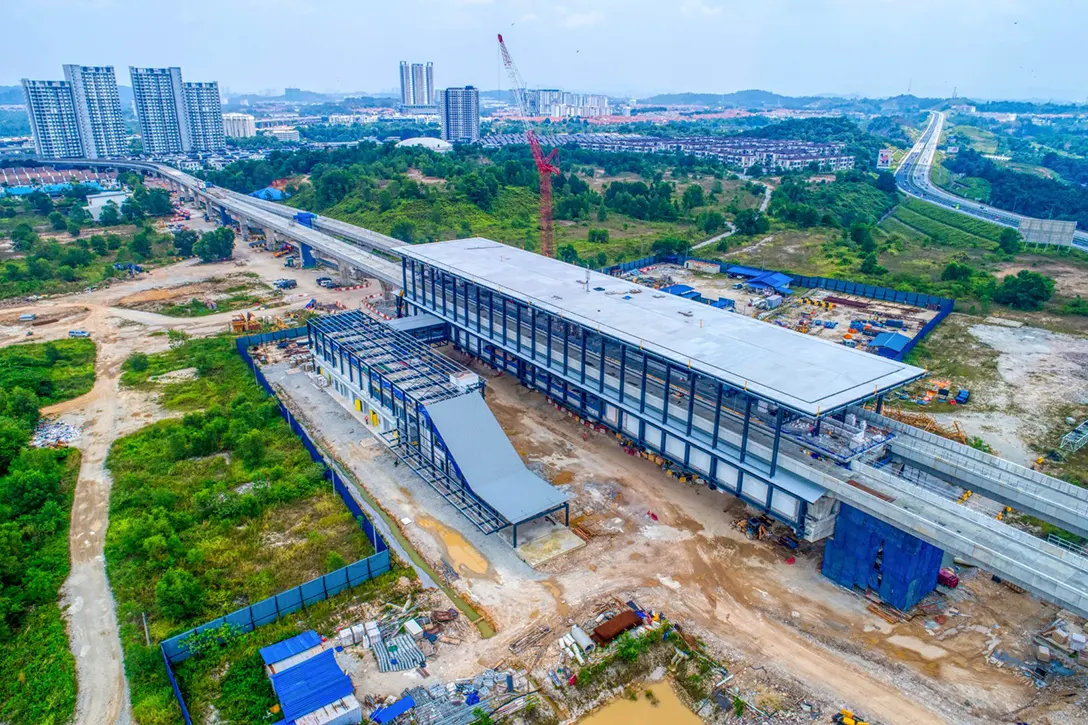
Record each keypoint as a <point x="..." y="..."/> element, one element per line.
<point x="777" y="438"/>
<point x="747" y="423"/>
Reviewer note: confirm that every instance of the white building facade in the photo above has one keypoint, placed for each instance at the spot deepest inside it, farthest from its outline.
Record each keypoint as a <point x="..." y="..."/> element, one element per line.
<point x="53" y="121"/>
<point x="459" y="112"/>
<point x="98" y="110"/>
<point x="239" y="125"/>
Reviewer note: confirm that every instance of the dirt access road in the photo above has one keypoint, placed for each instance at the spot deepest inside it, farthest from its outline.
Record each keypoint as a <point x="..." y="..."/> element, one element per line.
<point x="672" y="547"/>
<point x="108" y="412"/>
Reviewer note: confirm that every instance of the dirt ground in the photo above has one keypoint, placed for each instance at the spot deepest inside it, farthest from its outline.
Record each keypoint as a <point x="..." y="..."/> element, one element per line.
<point x="1071" y="280"/>
<point x="672" y="547"/>
<point x="217" y="290"/>
<point x="1032" y="376"/>
<point x="106" y="413"/>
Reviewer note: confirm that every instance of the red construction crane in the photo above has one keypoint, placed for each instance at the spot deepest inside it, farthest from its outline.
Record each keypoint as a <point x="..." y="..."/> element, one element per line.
<point x="545" y="165"/>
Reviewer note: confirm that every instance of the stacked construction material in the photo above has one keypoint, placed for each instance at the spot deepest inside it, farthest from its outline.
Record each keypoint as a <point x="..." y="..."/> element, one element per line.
<point x="870" y="555"/>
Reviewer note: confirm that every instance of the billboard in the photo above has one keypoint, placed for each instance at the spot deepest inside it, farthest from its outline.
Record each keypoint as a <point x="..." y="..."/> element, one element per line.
<point x="884" y="158"/>
<point x="1047" y="231"/>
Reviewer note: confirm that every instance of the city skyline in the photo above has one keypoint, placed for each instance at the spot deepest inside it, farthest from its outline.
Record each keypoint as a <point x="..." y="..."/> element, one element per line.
<point x="1008" y="49"/>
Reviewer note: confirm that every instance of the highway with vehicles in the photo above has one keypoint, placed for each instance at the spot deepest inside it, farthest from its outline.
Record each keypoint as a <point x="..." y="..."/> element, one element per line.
<point x="913" y="178"/>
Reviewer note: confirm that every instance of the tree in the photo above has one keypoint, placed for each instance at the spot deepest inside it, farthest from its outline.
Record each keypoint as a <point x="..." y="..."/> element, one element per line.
<point x="567" y="253"/>
<point x="158" y="203"/>
<point x="216" y="244"/>
<point x="870" y="265"/>
<point x="598" y="236"/>
<point x="23" y="237"/>
<point x="131" y="210"/>
<point x="57" y="221"/>
<point x="862" y="235"/>
<point x="110" y="215"/>
<point x="179" y="595"/>
<point x="332" y="186"/>
<point x="140" y="244"/>
<point x="755" y="170"/>
<point x="1009" y="241"/>
<point x="12" y="439"/>
<point x="711" y="222"/>
<point x="250" y="448"/>
<point x="885" y="181"/>
<point x="750" y="221"/>
<point x="404" y="230"/>
<point x="602" y="213"/>
<point x="41" y="202"/>
<point x="137" y="362"/>
<point x="1026" y="291"/>
<point x="184" y="241"/>
<point x="74" y="229"/>
<point x="693" y="197"/>
<point x="77" y="214"/>
<point x="671" y="245"/>
<point x="957" y="272"/>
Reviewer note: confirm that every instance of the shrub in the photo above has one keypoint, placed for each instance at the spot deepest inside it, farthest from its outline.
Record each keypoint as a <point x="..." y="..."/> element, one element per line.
<point x="179" y="595"/>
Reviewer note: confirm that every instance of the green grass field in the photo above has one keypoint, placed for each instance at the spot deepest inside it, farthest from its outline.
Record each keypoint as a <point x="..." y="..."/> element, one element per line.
<point x="212" y="511"/>
<point x="54" y="371"/>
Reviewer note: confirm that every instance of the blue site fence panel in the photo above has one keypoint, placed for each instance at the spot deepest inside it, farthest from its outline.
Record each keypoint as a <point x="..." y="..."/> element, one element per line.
<point x="177" y="690"/>
<point x="286" y="602"/>
<point x="943" y="305"/>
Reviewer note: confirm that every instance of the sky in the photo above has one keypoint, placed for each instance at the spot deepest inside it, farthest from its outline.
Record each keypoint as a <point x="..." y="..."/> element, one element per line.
<point x="988" y="49"/>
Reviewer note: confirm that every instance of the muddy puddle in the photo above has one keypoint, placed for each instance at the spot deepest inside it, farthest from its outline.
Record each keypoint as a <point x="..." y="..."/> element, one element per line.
<point x="461" y="555"/>
<point x="665" y="708"/>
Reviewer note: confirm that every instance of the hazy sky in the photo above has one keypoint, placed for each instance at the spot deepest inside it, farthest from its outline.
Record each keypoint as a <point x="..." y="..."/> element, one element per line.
<point x="985" y="48"/>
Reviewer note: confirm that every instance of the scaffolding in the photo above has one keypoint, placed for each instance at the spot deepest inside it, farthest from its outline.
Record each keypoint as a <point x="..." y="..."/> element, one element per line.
<point x="1075" y="439"/>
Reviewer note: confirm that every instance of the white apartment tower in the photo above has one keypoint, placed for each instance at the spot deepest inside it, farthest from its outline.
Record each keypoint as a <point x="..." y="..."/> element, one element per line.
<point x="239" y="125"/>
<point x="176" y="117"/>
<point x="416" y="84"/>
<point x="53" y="119"/>
<point x="205" y="113"/>
<point x="459" y="111"/>
<point x="77" y="117"/>
<point x="160" y="106"/>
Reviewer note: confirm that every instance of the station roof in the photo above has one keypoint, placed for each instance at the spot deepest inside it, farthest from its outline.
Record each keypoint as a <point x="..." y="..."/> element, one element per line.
<point x="804" y="373"/>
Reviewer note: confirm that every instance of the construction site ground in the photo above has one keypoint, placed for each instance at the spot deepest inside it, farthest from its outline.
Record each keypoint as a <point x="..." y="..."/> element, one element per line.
<point x="776" y="623"/>
<point x="234" y="291"/>
<point x="714" y="286"/>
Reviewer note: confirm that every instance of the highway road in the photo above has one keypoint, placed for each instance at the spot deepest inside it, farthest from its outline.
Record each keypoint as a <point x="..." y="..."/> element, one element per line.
<point x="913" y="178"/>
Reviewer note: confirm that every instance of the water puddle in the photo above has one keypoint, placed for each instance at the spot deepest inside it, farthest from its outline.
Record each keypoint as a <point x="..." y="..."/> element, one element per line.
<point x="461" y="555"/>
<point x="668" y="709"/>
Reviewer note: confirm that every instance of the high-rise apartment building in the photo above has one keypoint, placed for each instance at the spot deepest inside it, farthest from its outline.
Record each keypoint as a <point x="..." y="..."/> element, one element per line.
<point x="52" y="119"/>
<point x="160" y="106"/>
<point x="98" y="110"/>
<point x="176" y="117"/>
<point x="555" y="103"/>
<point x="239" y="125"/>
<point x="459" y="111"/>
<point x="416" y="84"/>
<point x="205" y="112"/>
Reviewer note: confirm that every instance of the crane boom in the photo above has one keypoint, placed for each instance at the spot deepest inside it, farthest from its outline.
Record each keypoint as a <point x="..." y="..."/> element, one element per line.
<point x="546" y="165"/>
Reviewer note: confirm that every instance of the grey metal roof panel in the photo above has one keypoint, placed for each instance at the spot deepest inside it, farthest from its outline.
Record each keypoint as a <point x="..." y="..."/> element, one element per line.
<point x="415" y="322"/>
<point x="488" y="461"/>
<point x="810" y="375"/>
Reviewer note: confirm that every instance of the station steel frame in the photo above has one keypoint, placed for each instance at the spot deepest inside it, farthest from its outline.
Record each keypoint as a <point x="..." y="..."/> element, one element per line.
<point x="563" y="358"/>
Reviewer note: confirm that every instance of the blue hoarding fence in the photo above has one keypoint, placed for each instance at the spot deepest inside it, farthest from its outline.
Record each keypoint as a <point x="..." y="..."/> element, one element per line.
<point x="943" y="305"/>
<point x="246" y="619"/>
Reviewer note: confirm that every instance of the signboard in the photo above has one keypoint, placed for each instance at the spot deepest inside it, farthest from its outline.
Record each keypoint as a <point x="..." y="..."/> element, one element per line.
<point x="884" y="158"/>
<point x="1047" y="231"/>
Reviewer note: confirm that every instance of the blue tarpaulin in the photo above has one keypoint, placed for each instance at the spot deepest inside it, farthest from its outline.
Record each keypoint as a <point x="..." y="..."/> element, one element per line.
<point x="744" y="271"/>
<point x="310" y="685"/>
<point x="269" y="193"/>
<point x="290" y="647"/>
<point x="398" y="708"/>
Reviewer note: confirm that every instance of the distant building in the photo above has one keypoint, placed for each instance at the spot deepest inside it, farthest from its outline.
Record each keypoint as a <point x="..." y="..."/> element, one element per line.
<point x="160" y="107"/>
<point x="98" y="110"/>
<point x="459" y="112"/>
<point x="555" y="103"/>
<point x="79" y="116"/>
<point x="176" y="117"/>
<point x="239" y="125"/>
<point x="434" y="144"/>
<point x="53" y="120"/>
<point x="416" y="84"/>
<point x="205" y="112"/>
<point x="97" y="202"/>
<point x="284" y="133"/>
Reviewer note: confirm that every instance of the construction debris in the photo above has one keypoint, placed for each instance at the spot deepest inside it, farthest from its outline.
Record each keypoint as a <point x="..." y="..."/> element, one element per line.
<point x="54" y="434"/>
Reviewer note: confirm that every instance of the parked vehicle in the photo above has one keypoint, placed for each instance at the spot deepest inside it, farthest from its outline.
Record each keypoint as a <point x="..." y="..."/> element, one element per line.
<point x="285" y="284"/>
<point x="78" y="333"/>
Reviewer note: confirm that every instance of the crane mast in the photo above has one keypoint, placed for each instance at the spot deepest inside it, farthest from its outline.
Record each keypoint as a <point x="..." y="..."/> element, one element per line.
<point x="546" y="165"/>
